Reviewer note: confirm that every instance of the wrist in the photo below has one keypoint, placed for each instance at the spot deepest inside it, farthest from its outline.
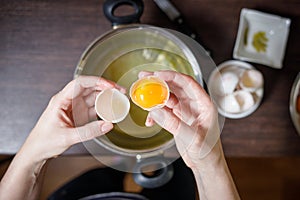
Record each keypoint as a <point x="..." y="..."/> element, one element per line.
<point x="33" y="149"/>
<point x="214" y="160"/>
<point x="214" y="180"/>
<point x="24" y="171"/>
<point x="29" y="163"/>
<point x="29" y="156"/>
<point x="210" y="168"/>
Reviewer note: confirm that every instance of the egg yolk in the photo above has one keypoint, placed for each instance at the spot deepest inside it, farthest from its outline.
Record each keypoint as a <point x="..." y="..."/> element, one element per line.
<point x="148" y="95"/>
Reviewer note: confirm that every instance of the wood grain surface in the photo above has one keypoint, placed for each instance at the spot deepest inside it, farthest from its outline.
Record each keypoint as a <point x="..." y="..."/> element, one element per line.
<point x="41" y="43"/>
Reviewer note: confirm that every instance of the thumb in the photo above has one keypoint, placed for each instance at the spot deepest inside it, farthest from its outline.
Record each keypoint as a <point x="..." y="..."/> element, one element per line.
<point x="92" y="130"/>
<point x="184" y="134"/>
<point x="165" y="118"/>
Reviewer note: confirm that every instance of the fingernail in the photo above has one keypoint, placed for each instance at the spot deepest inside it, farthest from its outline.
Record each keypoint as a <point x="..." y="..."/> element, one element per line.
<point x="106" y="127"/>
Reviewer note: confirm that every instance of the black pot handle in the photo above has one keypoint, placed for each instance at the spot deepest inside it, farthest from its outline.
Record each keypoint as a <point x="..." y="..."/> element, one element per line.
<point x="159" y="177"/>
<point x="110" y="6"/>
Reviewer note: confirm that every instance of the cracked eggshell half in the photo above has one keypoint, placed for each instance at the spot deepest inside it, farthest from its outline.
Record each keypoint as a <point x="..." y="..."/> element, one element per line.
<point x="149" y="93"/>
<point x="251" y="80"/>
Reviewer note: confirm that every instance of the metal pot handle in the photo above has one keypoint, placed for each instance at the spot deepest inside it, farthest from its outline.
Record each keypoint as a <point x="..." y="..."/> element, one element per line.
<point x="160" y="176"/>
<point x="110" y="6"/>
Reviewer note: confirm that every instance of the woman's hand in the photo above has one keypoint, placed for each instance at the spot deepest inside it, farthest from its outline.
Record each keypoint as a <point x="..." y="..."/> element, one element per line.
<point x="70" y="118"/>
<point x="190" y="116"/>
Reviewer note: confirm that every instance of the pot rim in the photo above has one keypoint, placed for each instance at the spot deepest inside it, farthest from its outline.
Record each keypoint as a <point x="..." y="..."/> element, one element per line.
<point x="159" y="150"/>
<point x="164" y="31"/>
<point x="186" y="51"/>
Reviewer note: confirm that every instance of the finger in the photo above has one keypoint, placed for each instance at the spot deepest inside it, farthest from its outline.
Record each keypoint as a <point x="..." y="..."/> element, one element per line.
<point x="181" y="106"/>
<point x="184" y="109"/>
<point x="177" y="79"/>
<point x="172" y="101"/>
<point x="79" y="86"/>
<point x="87" y="91"/>
<point x="149" y="121"/>
<point x="166" y="119"/>
<point x="90" y="99"/>
<point x="91" y="130"/>
<point x="197" y="142"/>
<point x="183" y="133"/>
<point x="92" y="114"/>
<point x="80" y="113"/>
<point x="192" y="97"/>
<point x="178" y="82"/>
<point x="98" y="83"/>
<point x="143" y="74"/>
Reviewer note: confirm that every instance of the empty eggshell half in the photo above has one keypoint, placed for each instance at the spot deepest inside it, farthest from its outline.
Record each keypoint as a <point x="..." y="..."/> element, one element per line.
<point x="111" y="105"/>
<point x="224" y="83"/>
<point x="230" y="81"/>
<point x="237" y="102"/>
<point x="244" y="99"/>
<point x="230" y="104"/>
<point x="251" y="80"/>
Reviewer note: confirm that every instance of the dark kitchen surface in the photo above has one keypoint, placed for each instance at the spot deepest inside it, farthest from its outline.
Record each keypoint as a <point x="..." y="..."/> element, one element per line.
<point x="41" y="43"/>
<point x="255" y="178"/>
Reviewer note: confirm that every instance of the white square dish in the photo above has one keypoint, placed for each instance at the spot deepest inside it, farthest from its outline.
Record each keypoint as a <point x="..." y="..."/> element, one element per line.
<point x="261" y="38"/>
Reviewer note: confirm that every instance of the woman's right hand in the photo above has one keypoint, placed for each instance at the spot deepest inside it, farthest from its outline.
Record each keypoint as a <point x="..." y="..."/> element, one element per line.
<point x="191" y="117"/>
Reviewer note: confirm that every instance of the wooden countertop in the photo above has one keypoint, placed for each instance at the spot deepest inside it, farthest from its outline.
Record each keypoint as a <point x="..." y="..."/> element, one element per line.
<point x="41" y="43"/>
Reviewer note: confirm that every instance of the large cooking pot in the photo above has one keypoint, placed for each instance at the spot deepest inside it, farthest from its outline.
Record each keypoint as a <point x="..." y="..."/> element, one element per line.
<point x="119" y="55"/>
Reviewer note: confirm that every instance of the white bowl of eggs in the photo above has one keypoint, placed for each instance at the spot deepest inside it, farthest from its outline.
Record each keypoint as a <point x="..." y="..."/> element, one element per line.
<point x="237" y="88"/>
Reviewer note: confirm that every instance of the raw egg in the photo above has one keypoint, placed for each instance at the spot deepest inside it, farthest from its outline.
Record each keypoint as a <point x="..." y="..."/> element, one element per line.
<point x="111" y="105"/>
<point x="149" y="92"/>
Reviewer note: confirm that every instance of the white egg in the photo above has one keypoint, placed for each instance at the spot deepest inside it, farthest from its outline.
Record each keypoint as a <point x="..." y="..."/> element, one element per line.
<point x="229" y="104"/>
<point x="251" y="80"/>
<point x="244" y="99"/>
<point x="230" y="81"/>
<point x="111" y="105"/>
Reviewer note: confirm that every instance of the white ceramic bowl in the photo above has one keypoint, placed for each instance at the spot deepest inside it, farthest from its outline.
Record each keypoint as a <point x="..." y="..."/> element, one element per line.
<point x="237" y="67"/>
<point x="275" y="29"/>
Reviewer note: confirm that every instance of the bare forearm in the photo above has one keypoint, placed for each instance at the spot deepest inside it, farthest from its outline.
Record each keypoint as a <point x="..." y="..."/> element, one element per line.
<point x="54" y="133"/>
<point x="215" y="182"/>
<point x="22" y="180"/>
